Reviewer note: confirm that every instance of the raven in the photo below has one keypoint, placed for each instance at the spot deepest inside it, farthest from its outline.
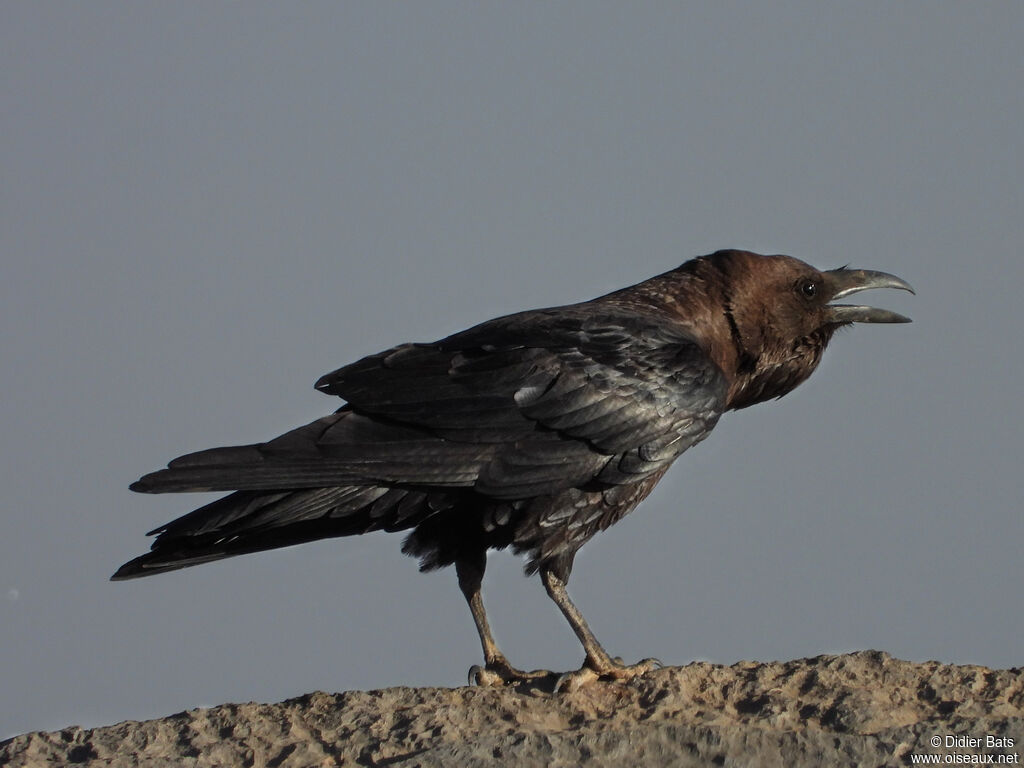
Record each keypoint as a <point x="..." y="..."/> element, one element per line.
<point x="533" y="431"/>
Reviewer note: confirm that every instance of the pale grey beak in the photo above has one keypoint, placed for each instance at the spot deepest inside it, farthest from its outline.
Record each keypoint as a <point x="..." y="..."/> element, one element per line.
<point x="843" y="282"/>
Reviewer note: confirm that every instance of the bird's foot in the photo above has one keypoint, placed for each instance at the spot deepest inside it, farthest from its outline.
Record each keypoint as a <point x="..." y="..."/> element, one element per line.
<point x="499" y="673"/>
<point x="607" y="669"/>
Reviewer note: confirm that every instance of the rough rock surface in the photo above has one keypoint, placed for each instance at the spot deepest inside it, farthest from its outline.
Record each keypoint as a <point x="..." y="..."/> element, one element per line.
<point x="860" y="709"/>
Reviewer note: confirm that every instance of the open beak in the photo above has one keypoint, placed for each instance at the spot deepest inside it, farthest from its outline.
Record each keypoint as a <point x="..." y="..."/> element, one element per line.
<point x="843" y="282"/>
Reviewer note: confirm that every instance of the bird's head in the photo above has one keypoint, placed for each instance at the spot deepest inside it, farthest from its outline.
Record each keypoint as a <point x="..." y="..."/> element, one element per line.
<point x="780" y="314"/>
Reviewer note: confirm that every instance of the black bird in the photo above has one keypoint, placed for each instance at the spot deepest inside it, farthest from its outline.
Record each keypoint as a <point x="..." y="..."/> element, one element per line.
<point x="535" y="430"/>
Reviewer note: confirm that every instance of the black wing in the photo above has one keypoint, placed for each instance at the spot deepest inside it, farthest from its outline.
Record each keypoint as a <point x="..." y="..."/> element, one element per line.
<point x="523" y="405"/>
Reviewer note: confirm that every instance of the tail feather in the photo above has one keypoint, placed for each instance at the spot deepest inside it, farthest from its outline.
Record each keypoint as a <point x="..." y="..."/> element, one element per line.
<point x="250" y="521"/>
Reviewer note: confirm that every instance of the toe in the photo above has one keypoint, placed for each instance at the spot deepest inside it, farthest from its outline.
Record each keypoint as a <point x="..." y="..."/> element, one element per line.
<point x="499" y="673"/>
<point x="573" y="681"/>
<point x="484" y="677"/>
<point x="614" y="669"/>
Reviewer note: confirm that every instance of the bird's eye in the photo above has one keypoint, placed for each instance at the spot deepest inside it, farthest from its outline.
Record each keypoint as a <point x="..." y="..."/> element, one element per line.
<point x="808" y="288"/>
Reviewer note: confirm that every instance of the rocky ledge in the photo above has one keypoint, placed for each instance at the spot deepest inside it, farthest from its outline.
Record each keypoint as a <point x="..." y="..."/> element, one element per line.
<point x="859" y="709"/>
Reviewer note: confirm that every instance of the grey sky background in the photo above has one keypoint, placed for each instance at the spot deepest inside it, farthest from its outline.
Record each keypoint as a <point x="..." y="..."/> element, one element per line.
<point x="204" y="207"/>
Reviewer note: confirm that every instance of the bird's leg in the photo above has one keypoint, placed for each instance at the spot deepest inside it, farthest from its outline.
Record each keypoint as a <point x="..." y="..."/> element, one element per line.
<point x="598" y="663"/>
<point x="496" y="669"/>
<point x="470" y="578"/>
